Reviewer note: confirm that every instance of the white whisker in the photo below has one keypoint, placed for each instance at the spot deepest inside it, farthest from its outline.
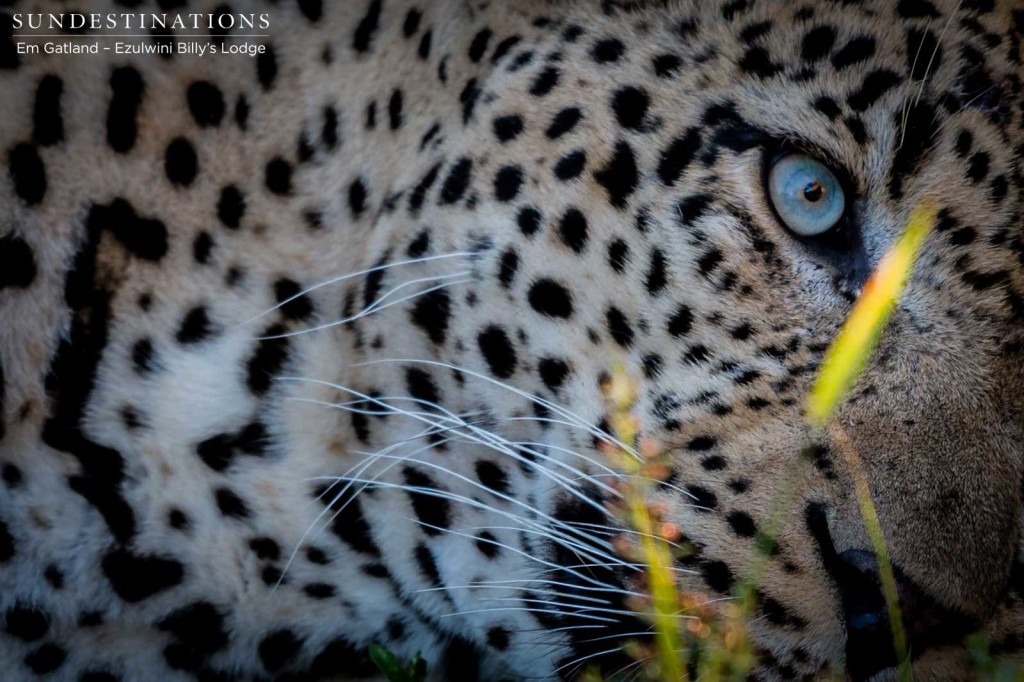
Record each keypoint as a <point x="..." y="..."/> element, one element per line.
<point x="353" y="275"/>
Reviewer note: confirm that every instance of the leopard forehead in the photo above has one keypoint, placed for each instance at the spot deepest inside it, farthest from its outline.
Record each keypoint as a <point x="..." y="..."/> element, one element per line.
<point x="304" y="351"/>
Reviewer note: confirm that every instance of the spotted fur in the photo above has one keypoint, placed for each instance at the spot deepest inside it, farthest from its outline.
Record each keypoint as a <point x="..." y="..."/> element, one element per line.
<point x="302" y="351"/>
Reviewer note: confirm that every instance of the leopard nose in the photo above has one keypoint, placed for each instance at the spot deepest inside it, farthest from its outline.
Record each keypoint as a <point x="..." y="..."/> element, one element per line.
<point x="870" y="647"/>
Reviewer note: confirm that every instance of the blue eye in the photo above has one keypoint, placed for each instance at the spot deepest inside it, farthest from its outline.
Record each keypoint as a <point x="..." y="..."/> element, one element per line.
<point x="806" y="195"/>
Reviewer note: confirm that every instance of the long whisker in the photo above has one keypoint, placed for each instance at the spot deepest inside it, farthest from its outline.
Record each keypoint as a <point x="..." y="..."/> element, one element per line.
<point x="477" y="435"/>
<point x="353" y="275"/>
<point x="378" y="305"/>
<point x="593" y="430"/>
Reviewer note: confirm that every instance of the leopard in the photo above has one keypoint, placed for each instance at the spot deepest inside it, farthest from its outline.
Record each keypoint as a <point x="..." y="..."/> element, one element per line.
<point x="305" y="342"/>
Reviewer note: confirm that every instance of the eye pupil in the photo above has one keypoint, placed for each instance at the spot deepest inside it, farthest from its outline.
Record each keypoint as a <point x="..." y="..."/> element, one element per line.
<point x="814" y="191"/>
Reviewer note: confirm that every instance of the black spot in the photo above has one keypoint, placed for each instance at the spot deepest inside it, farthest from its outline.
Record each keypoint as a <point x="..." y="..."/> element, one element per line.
<point x="757" y="61"/>
<point x="545" y="82"/>
<point x="348" y="523"/>
<point x="217" y="452"/>
<point x="357" y="197"/>
<point x="827" y="106"/>
<point x="267" y="361"/>
<point x="427" y="564"/>
<point x="630" y="105"/>
<point x="508" y="268"/>
<point x="717" y="576"/>
<point x="713" y="463"/>
<point x="479" y="45"/>
<point x="46" y="659"/>
<point x="363" y="37"/>
<point x="656" y="276"/>
<point x="6" y="543"/>
<point x="563" y="122"/>
<point x="266" y="68"/>
<point x="917" y="141"/>
<point x="424" y="48"/>
<point x="607" y="50"/>
<point x="618" y="255"/>
<point x="457" y="181"/>
<point x="11" y="474"/>
<point x="144" y="237"/>
<point x="127" y="87"/>
<point x="231" y="206"/>
<point x="508" y="128"/>
<point x="431" y="313"/>
<point x="704" y="499"/>
<point x="924" y="54"/>
<point x="198" y="632"/>
<point x="294" y="304"/>
<point x="311" y="9"/>
<point x="856" y="127"/>
<point x="875" y="85"/>
<point x="977" y="169"/>
<point x="27" y="173"/>
<point x="572" y="228"/>
<point x="277" y="176"/>
<point x="17" y="263"/>
<point x="681" y="322"/>
<point x="571" y="165"/>
<point x="417" y="197"/>
<point x="497" y="350"/>
<point x="395" y="109"/>
<point x="319" y="590"/>
<point x="619" y="327"/>
<point x="420" y="245"/>
<point x="709" y="261"/>
<point x="553" y="372"/>
<point x="528" y="220"/>
<point x="195" y="326"/>
<point x="701" y="444"/>
<point x="142" y="356"/>
<point x="817" y="43"/>
<point x="741" y="524"/>
<point x="917" y="9"/>
<point x="329" y="130"/>
<point x="678" y="155"/>
<point x="503" y="48"/>
<point x="858" y="50"/>
<point x="507" y="182"/>
<point x="135" y="577"/>
<point x="421" y="386"/>
<point x="201" y="247"/>
<point x="25" y="622"/>
<point x="278" y="648"/>
<point x="47" y="120"/>
<point x="341" y="659"/>
<point x="550" y="298"/>
<point x="666" y="65"/>
<point x="411" y="23"/>
<point x="492" y="476"/>
<point x="230" y="504"/>
<point x="487" y="544"/>
<point x="692" y="208"/>
<point x="180" y="162"/>
<point x="431" y="509"/>
<point x="497" y="637"/>
<point x="206" y="102"/>
<point x="54" y="577"/>
<point x="620" y="176"/>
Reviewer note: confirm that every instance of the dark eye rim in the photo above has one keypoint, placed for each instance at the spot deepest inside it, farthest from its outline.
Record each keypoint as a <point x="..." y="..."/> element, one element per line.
<point x="841" y="236"/>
